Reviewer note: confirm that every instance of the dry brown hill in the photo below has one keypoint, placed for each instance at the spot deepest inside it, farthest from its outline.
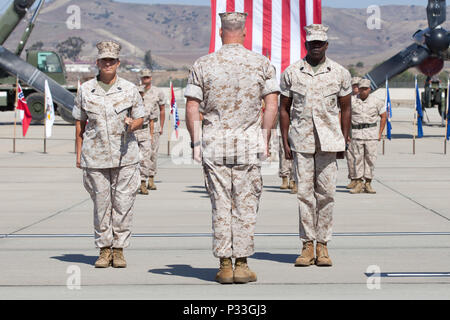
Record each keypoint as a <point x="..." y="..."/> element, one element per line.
<point x="178" y="34"/>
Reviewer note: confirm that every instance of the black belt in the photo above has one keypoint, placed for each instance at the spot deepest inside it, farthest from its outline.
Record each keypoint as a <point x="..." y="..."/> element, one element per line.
<point x="363" y="126"/>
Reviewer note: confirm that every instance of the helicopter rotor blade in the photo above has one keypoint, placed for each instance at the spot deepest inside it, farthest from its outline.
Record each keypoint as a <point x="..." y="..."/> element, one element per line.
<point x="436" y="13"/>
<point x="410" y="57"/>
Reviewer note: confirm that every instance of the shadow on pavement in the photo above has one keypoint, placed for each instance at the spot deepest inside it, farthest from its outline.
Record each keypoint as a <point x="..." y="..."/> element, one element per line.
<point x="279" y="191"/>
<point x="272" y="187"/>
<point x="198" y="190"/>
<point x="187" y="271"/>
<point x="277" y="257"/>
<point x="77" y="258"/>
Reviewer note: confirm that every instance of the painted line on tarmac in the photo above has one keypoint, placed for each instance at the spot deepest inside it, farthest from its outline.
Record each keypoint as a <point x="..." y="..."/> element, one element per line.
<point x="12" y="234"/>
<point x="409" y="275"/>
<point x="412" y="200"/>
<point x="209" y="235"/>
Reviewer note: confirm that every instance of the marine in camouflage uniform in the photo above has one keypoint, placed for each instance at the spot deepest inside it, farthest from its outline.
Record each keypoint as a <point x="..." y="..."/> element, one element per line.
<point x="349" y="154"/>
<point x="286" y="172"/>
<point x="231" y="83"/>
<point x="311" y="96"/>
<point x="108" y="153"/>
<point x="154" y="101"/>
<point x="366" y="110"/>
<point x="145" y="145"/>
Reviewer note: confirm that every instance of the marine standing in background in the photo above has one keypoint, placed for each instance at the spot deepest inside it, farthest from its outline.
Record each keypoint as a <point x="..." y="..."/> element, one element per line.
<point x="286" y="172"/>
<point x="366" y="111"/>
<point x="154" y="100"/>
<point x="231" y="83"/>
<point x="143" y="136"/>
<point x="348" y="154"/>
<point x="316" y="89"/>
<point x="108" y="109"/>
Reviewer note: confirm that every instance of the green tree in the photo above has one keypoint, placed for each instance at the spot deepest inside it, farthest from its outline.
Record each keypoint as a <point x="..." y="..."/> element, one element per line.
<point x="353" y="71"/>
<point x="37" y="46"/>
<point x="71" y="48"/>
<point x="148" y="60"/>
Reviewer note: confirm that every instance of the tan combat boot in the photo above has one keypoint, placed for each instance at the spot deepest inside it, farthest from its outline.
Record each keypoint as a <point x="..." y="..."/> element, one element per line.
<point x="359" y="187"/>
<point x="307" y="257"/>
<point x="118" y="258"/>
<point x="242" y="273"/>
<point x="284" y="184"/>
<point x="105" y="258"/>
<point x="352" y="184"/>
<point x="291" y="184"/>
<point x="368" y="187"/>
<point x="143" y="190"/>
<point x="294" y="188"/>
<point x="322" y="257"/>
<point x="225" y="274"/>
<point x="151" y="183"/>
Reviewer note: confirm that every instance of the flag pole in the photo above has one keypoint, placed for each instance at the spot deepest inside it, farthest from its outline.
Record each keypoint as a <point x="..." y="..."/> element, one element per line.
<point x="45" y="121"/>
<point x="170" y="131"/>
<point x="15" y="113"/>
<point x="384" y="130"/>
<point x="415" y="116"/>
<point x="414" y="132"/>
<point x="446" y="117"/>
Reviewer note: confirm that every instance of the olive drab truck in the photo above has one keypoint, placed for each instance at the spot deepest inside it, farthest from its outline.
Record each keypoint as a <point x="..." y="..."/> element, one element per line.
<point x="39" y="66"/>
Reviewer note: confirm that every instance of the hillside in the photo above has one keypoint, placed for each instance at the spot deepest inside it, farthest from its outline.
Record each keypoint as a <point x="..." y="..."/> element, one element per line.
<point x="179" y="34"/>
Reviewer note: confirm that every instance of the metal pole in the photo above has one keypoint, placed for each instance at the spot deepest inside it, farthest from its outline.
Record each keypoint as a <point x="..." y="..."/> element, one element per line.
<point x="15" y="114"/>
<point x="444" y="116"/>
<point x="45" y="121"/>
<point x="169" y="135"/>
<point x="169" y="132"/>
<point x="414" y="133"/>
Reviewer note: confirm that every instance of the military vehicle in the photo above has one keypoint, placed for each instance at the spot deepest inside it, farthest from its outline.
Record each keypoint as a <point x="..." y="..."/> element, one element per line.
<point x="428" y="53"/>
<point x="38" y="67"/>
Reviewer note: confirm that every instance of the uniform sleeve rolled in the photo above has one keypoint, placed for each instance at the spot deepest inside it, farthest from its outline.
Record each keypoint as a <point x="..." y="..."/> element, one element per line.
<point x="381" y="107"/>
<point x="286" y="84"/>
<point x="271" y="84"/>
<point x="346" y="84"/>
<point x="161" y="98"/>
<point x="78" y="113"/>
<point x="194" y="88"/>
<point x="137" y="110"/>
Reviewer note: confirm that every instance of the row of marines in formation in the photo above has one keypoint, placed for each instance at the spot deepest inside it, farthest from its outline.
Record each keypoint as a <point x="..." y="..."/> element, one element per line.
<point x="230" y="137"/>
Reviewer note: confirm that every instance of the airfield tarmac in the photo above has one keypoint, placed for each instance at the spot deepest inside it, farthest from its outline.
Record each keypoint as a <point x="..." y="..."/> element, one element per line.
<point x="402" y="234"/>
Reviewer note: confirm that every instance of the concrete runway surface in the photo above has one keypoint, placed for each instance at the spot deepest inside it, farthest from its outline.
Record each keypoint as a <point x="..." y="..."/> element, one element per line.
<point x="392" y="245"/>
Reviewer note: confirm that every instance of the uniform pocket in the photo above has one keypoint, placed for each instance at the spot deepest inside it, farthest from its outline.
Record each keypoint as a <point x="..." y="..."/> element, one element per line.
<point x="330" y="95"/>
<point x="123" y="109"/>
<point x="93" y="110"/>
<point x="299" y="94"/>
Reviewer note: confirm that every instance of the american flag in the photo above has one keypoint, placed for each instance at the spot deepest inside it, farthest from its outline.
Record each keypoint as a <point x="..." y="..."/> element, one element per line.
<point x="275" y="28"/>
<point x="22" y="106"/>
<point x="174" y="110"/>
